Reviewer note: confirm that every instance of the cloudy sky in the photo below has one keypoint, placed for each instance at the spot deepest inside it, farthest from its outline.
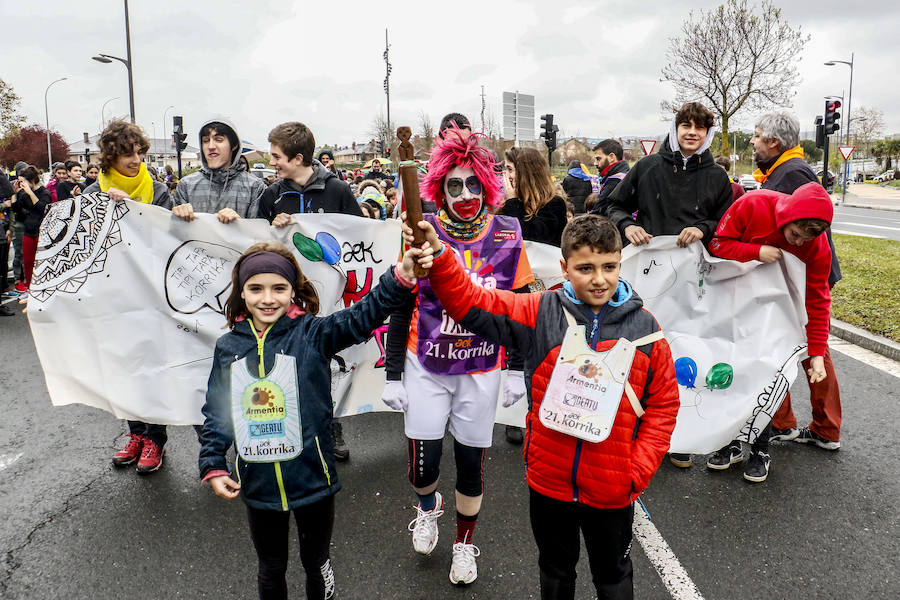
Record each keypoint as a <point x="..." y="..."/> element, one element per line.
<point x="595" y="65"/>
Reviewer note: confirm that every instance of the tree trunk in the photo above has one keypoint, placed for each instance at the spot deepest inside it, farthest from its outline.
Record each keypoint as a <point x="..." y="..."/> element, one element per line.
<point x="726" y="147"/>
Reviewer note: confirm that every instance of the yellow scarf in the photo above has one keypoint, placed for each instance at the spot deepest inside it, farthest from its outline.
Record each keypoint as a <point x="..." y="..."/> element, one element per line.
<point x="795" y="152"/>
<point x="139" y="187"/>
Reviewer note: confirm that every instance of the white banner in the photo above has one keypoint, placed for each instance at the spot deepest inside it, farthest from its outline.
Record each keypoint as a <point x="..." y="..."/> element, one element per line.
<point x="127" y="300"/>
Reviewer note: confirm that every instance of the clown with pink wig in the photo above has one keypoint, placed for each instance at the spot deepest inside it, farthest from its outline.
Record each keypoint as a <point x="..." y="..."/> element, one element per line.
<point x="437" y="371"/>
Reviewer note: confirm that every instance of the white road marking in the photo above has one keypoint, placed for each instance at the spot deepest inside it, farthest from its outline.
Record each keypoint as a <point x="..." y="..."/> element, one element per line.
<point x="873" y="359"/>
<point x="7" y="460"/>
<point x="673" y="575"/>
<point x="856" y="233"/>
<point x="872" y="226"/>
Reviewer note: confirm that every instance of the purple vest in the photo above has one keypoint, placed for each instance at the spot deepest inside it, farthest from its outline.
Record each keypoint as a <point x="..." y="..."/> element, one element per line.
<point x="444" y="347"/>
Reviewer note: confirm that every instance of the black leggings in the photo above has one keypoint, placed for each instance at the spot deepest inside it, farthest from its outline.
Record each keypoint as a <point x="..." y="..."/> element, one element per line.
<point x="607" y="537"/>
<point x="424" y="465"/>
<point x="269" y="531"/>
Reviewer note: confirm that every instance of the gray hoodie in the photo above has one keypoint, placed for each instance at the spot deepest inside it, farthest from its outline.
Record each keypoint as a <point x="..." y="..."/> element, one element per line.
<point x="210" y="190"/>
<point x="673" y="141"/>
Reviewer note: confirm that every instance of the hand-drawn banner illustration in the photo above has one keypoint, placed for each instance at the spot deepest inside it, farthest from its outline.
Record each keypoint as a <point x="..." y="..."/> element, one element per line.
<point x="128" y="299"/>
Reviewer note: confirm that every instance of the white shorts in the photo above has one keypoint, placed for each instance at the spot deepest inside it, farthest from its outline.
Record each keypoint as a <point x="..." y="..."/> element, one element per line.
<point x="468" y="401"/>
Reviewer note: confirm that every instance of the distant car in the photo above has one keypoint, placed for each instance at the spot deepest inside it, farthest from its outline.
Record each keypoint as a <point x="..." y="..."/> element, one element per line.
<point x="262" y="173"/>
<point x="886" y="176"/>
<point x="748" y="182"/>
<point x="831" y="177"/>
<point x="259" y="165"/>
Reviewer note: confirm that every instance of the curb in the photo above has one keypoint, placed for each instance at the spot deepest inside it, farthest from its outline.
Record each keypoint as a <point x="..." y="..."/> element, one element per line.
<point x="871" y="206"/>
<point x="865" y="339"/>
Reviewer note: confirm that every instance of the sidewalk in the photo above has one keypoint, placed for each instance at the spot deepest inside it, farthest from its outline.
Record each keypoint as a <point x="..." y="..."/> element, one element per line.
<point x="868" y="195"/>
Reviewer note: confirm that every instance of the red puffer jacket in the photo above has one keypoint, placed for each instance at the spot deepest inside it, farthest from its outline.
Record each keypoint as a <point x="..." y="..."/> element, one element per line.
<point x="607" y="474"/>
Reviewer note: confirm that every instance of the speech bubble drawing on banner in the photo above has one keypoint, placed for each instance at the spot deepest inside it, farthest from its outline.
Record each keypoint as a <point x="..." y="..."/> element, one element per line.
<point x="198" y="275"/>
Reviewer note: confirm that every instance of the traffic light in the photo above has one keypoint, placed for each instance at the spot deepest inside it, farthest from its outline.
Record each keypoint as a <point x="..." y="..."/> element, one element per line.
<point x="178" y="135"/>
<point x="832" y="116"/>
<point x="379" y="147"/>
<point x="549" y="131"/>
<point x="820" y="132"/>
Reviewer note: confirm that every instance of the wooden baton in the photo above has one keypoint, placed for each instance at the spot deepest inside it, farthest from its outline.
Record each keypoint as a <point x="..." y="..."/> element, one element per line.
<point x="409" y="178"/>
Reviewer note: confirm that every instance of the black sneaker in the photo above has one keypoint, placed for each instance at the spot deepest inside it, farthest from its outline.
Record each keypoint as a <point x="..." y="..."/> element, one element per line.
<point x="682" y="461"/>
<point x="5" y="312"/>
<point x="514" y="435"/>
<point x="805" y="436"/>
<point x="785" y="435"/>
<point x="757" y="468"/>
<point x="725" y="457"/>
<point x="341" y="450"/>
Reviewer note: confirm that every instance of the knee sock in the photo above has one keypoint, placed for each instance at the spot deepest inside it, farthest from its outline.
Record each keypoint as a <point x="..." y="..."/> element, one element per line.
<point x="427" y="502"/>
<point x="465" y="527"/>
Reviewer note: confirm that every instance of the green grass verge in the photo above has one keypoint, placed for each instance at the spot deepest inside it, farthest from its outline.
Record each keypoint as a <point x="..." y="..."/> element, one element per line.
<point x="867" y="296"/>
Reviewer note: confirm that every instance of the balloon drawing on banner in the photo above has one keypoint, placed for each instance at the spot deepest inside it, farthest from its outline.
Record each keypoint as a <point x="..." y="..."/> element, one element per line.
<point x="198" y="275"/>
<point x="324" y="248"/>
<point x="720" y="376"/>
<point x="73" y="243"/>
<point x="686" y="372"/>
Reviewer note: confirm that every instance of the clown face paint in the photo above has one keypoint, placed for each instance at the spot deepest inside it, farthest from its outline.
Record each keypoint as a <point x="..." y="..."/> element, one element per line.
<point x="463" y="194"/>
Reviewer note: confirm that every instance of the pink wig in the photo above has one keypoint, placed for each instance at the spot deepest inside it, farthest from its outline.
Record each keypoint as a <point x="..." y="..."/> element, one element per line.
<point x="460" y="149"/>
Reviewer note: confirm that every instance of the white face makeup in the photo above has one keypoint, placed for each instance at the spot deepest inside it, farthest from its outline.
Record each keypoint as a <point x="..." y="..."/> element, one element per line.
<point x="463" y="194"/>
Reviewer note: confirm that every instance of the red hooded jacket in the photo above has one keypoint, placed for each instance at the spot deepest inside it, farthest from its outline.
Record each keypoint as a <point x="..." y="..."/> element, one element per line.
<point x="757" y="219"/>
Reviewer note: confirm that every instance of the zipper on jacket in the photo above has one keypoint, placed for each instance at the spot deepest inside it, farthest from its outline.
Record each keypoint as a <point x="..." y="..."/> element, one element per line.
<point x="260" y="343"/>
<point x="322" y="458"/>
<point x="575" y="470"/>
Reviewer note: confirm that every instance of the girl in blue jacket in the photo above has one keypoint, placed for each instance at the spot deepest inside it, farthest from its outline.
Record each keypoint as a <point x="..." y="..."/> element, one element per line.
<point x="269" y="394"/>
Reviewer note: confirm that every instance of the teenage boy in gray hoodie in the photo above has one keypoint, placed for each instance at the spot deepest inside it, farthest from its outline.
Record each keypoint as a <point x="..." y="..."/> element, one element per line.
<point x="221" y="186"/>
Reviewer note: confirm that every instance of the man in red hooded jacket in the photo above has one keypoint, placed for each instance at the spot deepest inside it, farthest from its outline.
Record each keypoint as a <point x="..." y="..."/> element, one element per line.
<point x="761" y="226"/>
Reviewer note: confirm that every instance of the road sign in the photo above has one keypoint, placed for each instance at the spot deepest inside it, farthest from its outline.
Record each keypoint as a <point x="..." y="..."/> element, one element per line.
<point x="648" y="146"/>
<point x="518" y="116"/>
<point x="846" y="151"/>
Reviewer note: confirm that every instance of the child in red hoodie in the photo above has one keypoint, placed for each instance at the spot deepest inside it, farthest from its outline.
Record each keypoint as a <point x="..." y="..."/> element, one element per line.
<point x="761" y="226"/>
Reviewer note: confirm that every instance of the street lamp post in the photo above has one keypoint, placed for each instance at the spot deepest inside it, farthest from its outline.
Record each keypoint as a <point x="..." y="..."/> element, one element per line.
<point x="47" y="117"/>
<point x="831" y="63"/>
<point x="106" y="58"/>
<point x="103" y="115"/>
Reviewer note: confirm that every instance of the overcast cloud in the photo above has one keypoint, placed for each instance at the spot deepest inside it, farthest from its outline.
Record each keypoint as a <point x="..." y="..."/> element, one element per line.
<point x="595" y="65"/>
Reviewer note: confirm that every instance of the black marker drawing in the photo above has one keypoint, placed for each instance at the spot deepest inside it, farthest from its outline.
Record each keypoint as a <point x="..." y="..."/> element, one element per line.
<point x="73" y="243"/>
<point x="770" y="399"/>
<point x="198" y="275"/>
<point x="652" y="264"/>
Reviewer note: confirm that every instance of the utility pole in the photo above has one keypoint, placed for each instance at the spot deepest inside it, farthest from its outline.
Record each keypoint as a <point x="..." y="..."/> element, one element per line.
<point x="482" y="109"/>
<point x="387" y="82"/>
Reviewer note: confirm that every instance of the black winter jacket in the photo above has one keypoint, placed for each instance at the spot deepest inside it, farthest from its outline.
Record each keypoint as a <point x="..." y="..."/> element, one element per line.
<point x="545" y="226"/>
<point x="670" y="196"/>
<point x="608" y="185"/>
<point x="323" y="193"/>
<point x="31" y="214"/>
<point x="312" y="341"/>
<point x="786" y="178"/>
<point x="577" y="190"/>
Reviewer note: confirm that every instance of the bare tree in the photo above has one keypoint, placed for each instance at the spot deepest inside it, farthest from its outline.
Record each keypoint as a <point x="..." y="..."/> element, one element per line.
<point x="734" y="57"/>
<point x="10" y="119"/>
<point x="380" y="130"/>
<point x="426" y="131"/>
<point x="866" y="126"/>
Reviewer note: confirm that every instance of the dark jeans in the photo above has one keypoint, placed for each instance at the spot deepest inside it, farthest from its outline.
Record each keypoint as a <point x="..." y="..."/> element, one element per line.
<point x="18" y="230"/>
<point x="156" y="433"/>
<point x="4" y="261"/>
<point x="269" y="530"/>
<point x="607" y="537"/>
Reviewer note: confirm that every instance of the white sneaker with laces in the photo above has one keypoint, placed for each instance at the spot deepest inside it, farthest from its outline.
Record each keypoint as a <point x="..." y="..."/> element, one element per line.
<point x="424" y="527"/>
<point x="463" y="569"/>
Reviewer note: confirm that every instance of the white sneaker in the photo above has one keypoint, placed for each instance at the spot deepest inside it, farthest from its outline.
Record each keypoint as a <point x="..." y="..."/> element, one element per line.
<point x="424" y="527"/>
<point x="463" y="569"/>
<point x="328" y="576"/>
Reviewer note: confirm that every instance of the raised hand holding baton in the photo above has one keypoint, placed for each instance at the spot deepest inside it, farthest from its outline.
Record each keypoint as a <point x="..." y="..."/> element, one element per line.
<point x="409" y="178"/>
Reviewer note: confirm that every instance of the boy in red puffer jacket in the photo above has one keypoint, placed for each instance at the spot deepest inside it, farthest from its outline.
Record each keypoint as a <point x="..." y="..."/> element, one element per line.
<point x="602" y="399"/>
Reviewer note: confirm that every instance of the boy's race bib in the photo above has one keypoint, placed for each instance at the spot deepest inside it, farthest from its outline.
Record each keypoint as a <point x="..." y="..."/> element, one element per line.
<point x="586" y="387"/>
<point x="266" y="411"/>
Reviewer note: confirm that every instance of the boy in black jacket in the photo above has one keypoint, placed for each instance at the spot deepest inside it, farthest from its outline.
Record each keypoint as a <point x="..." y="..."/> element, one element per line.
<point x="305" y="185"/>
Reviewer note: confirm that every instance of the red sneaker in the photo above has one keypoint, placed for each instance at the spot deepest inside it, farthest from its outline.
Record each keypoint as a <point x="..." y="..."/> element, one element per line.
<point x="20" y="287"/>
<point x="130" y="452"/>
<point x="151" y="457"/>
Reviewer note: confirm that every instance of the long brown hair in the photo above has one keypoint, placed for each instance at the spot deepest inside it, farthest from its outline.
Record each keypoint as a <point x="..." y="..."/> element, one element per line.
<point x="534" y="186"/>
<point x="305" y="295"/>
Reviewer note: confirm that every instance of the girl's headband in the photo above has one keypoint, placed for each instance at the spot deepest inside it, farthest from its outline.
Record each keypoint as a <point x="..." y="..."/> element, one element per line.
<point x="267" y="262"/>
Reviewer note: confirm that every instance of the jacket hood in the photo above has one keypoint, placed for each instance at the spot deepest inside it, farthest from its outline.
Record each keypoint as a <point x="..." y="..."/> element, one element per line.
<point x="235" y="152"/>
<point x="809" y="201"/>
<point x="623" y="301"/>
<point x="579" y="173"/>
<point x="672" y="141"/>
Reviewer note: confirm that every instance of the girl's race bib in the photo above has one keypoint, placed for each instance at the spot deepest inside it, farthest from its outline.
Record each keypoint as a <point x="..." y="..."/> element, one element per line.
<point x="266" y="411"/>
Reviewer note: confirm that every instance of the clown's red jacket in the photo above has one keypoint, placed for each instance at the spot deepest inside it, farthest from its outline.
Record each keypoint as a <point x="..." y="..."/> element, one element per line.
<point x="607" y="474"/>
